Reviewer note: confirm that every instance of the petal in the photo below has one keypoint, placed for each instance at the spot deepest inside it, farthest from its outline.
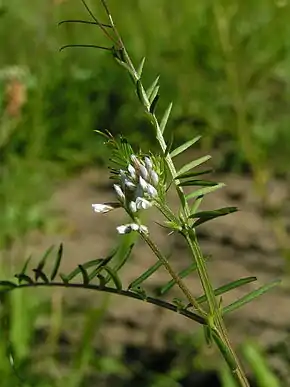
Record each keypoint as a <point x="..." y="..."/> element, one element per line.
<point x="133" y="206"/>
<point x="154" y="178"/>
<point x="124" y="229"/>
<point x="152" y="192"/>
<point x="129" y="184"/>
<point x="132" y="171"/>
<point x="142" y="204"/>
<point x="148" y="163"/>
<point x="142" y="183"/>
<point x="119" y="192"/>
<point x="102" y="208"/>
<point x="134" y="226"/>
<point x="143" y="172"/>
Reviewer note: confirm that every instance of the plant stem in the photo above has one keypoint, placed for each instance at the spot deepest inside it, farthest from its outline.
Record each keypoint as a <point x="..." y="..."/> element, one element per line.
<point x="127" y="293"/>
<point x="174" y="276"/>
<point x="214" y="319"/>
<point x="216" y="322"/>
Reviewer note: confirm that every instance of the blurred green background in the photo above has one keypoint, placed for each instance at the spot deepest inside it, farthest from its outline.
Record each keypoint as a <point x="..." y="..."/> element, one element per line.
<point x="224" y="63"/>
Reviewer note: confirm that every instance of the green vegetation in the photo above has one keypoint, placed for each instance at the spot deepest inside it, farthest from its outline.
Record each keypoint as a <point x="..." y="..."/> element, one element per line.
<point x="225" y="65"/>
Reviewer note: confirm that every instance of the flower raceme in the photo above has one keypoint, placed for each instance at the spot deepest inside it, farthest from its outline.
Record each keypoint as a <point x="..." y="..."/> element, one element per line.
<point x="136" y="189"/>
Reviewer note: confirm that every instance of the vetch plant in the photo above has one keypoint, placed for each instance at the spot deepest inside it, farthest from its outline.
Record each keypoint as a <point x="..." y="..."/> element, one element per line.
<point x="141" y="181"/>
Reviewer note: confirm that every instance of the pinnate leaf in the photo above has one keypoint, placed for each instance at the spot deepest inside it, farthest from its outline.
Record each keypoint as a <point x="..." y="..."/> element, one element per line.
<point x="230" y="286"/>
<point x="250" y="296"/>
<point x="138" y="281"/>
<point x="165" y="118"/>
<point x="57" y="262"/>
<point x="184" y="146"/>
<point x="140" y="68"/>
<point x="150" y="90"/>
<point x="204" y="191"/>
<point x="205" y="216"/>
<point x="191" y="165"/>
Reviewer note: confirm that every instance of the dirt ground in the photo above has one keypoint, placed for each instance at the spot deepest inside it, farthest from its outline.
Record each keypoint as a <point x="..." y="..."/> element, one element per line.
<point x="240" y="245"/>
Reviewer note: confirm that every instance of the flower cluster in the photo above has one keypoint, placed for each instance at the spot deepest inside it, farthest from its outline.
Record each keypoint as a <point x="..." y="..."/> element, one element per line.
<point x="138" y="185"/>
<point x="136" y="191"/>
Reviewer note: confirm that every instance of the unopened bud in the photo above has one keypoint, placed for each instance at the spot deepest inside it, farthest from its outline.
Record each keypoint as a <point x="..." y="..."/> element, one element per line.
<point x="133" y="206"/>
<point x="148" y="163"/>
<point x="119" y="192"/>
<point x="151" y="191"/>
<point x="154" y="178"/>
<point x="143" y="172"/>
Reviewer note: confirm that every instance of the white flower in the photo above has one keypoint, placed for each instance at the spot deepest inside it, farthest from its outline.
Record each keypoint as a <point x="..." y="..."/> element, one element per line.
<point x="151" y="191"/>
<point x="142" y="204"/>
<point x="127" y="228"/>
<point x="134" y="226"/>
<point x="143" y="183"/>
<point x="105" y="207"/>
<point x="148" y="163"/>
<point x="129" y="184"/>
<point x="133" y="206"/>
<point x="143" y="172"/>
<point x="154" y="178"/>
<point x="132" y="171"/>
<point x="119" y="192"/>
<point x="124" y="229"/>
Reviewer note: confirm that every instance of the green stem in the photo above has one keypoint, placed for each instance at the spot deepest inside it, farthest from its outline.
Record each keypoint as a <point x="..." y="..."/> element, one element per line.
<point x="127" y="293"/>
<point x="174" y="276"/>
<point x="216" y="322"/>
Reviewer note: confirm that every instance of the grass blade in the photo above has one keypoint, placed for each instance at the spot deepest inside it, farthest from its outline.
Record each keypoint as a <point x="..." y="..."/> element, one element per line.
<point x="184" y="146"/>
<point x="250" y="297"/>
<point x="191" y="165"/>
<point x="262" y="372"/>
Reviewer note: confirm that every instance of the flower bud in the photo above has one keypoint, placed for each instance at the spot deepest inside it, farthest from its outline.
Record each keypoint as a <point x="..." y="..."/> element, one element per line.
<point x="119" y="193"/>
<point x="133" y="207"/>
<point x="154" y="178"/>
<point x="148" y="163"/>
<point x="103" y="208"/>
<point x="129" y="184"/>
<point x="143" y="172"/>
<point x="142" y="204"/>
<point x="124" y="229"/>
<point x="152" y="192"/>
<point x="132" y="171"/>
<point x="135" y="161"/>
<point x="143" y="183"/>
